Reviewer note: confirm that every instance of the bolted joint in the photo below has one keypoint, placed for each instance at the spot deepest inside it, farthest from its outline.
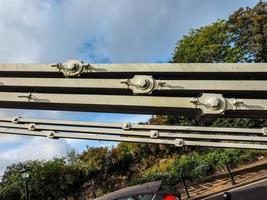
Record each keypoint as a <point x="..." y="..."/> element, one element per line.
<point x="210" y="104"/>
<point x="126" y="126"/>
<point x="179" y="142"/>
<point x="140" y="84"/>
<point x="15" y="120"/>
<point x="154" y="134"/>
<point x="72" y="68"/>
<point x="31" y="127"/>
<point x="51" y="135"/>
<point x="214" y="103"/>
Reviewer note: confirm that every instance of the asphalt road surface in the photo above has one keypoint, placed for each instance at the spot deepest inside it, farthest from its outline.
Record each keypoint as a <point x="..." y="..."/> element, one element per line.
<point x="254" y="191"/>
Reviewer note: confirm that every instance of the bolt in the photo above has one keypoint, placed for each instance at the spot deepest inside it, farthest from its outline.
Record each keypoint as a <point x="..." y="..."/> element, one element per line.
<point x="74" y="67"/>
<point x="31" y="127"/>
<point x="179" y="142"/>
<point x="51" y="134"/>
<point x="15" y="120"/>
<point x="142" y="83"/>
<point x="154" y="134"/>
<point x="126" y="126"/>
<point x="264" y="131"/>
<point x="214" y="103"/>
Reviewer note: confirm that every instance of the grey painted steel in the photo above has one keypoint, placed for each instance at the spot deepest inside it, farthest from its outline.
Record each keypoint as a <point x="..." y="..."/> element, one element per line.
<point x="62" y="122"/>
<point x="134" y="133"/>
<point x="56" y="135"/>
<point x="176" y="142"/>
<point x="145" y="67"/>
<point x="135" y="104"/>
<point x="45" y="88"/>
<point x="98" y="87"/>
<point x="134" y="126"/>
<point x="116" y="132"/>
<point x="197" y="129"/>
<point x="214" y="85"/>
<point x="100" y="103"/>
<point x="225" y="145"/>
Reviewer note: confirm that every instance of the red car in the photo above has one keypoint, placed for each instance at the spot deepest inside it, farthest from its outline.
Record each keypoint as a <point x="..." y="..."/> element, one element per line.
<point x="147" y="191"/>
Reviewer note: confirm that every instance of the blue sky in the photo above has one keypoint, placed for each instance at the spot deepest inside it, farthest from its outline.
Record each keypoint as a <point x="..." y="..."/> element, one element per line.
<point x="102" y="31"/>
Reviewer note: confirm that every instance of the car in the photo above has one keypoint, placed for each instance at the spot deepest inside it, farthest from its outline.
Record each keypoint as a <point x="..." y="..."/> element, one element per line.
<point x="148" y="191"/>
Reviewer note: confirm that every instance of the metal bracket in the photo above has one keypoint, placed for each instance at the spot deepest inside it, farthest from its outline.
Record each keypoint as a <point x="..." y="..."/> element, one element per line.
<point x="210" y="103"/>
<point x="72" y="68"/>
<point x="29" y="96"/>
<point x="140" y="84"/>
<point x="238" y="102"/>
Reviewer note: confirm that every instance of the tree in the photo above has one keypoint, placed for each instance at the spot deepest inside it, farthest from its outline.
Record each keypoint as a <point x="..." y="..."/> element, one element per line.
<point x="50" y="180"/>
<point x="240" y="38"/>
<point x="206" y="45"/>
<point x="247" y="29"/>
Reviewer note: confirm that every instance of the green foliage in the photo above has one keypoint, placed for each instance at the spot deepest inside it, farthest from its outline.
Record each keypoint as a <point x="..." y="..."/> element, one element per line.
<point x="240" y="38"/>
<point x="207" y="44"/>
<point x="198" y="165"/>
<point x="47" y="180"/>
<point x="247" y="28"/>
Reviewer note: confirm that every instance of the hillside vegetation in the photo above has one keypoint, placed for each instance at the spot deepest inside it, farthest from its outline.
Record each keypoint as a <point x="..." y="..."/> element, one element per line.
<point x="240" y="38"/>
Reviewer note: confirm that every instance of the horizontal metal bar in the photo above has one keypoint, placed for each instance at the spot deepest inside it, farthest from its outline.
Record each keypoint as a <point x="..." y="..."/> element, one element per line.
<point x="226" y="145"/>
<point x="62" y="122"/>
<point x="136" y="126"/>
<point x="198" y="129"/>
<point x="56" y="135"/>
<point x="213" y="85"/>
<point x="121" y="132"/>
<point x="129" y="126"/>
<point x="176" y="85"/>
<point x="139" y="67"/>
<point x="176" y="142"/>
<point x="215" y="137"/>
<point x="63" y="83"/>
<point x="116" y="84"/>
<point x="20" y="67"/>
<point x="98" y="103"/>
<point x="131" y="104"/>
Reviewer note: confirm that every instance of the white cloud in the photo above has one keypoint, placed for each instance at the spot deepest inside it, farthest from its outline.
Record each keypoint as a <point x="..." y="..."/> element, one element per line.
<point x="122" y="31"/>
<point x="33" y="148"/>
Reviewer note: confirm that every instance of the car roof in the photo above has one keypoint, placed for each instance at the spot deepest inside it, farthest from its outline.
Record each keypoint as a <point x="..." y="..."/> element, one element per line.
<point x="146" y="188"/>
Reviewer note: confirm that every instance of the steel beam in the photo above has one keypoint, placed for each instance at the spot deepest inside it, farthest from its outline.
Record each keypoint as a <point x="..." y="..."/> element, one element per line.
<point x="137" y="104"/>
<point x="150" y="68"/>
<point x="116" y="84"/>
<point x="176" y="142"/>
<point x="19" y="122"/>
<point x="71" y="130"/>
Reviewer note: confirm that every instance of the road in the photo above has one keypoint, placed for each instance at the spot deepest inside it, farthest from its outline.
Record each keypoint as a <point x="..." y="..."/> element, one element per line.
<point x="253" y="191"/>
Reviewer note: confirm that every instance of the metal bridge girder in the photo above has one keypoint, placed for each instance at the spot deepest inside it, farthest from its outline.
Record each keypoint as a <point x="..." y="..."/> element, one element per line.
<point x="197" y="90"/>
